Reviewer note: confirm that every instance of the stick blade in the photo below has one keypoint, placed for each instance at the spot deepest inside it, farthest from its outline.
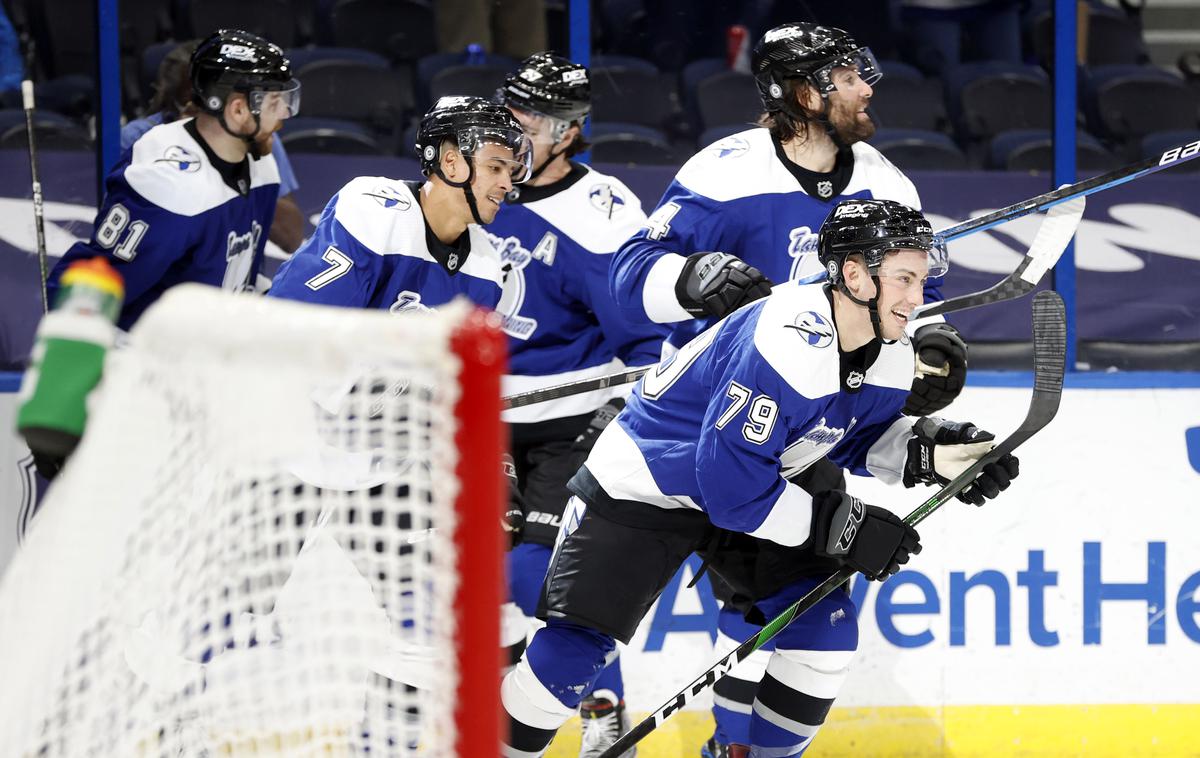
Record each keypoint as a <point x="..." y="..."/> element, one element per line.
<point x="1055" y="232"/>
<point x="1049" y="359"/>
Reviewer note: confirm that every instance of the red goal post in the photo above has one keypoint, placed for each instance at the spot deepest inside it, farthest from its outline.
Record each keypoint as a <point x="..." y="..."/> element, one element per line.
<point x="279" y="536"/>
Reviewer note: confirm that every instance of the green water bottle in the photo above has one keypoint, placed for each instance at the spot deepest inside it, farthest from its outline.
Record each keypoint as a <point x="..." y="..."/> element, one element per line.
<point x="67" y="361"/>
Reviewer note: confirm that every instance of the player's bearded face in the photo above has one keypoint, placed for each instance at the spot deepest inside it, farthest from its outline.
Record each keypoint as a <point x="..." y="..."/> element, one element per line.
<point x="848" y="105"/>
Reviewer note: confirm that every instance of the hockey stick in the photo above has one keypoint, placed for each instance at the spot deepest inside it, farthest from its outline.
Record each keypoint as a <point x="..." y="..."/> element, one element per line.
<point x="1083" y="188"/>
<point x="1049" y="346"/>
<point x="574" y="388"/>
<point x="38" y="218"/>
<point x="1052" y="238"/>
<point x="1056" y="231"/>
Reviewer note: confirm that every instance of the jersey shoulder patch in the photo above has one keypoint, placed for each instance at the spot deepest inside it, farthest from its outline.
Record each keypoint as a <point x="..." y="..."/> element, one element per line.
<point x="737" y="166"/>
<point x="383" y="216"/>
<point x="598" y="212"/>
<point x="796" y="336"/>
<point x="877" y="175"/>
<point x="168" y="168"/>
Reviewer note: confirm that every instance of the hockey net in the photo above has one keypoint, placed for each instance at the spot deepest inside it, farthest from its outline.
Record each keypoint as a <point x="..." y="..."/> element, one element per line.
<point x="267" y="543"/>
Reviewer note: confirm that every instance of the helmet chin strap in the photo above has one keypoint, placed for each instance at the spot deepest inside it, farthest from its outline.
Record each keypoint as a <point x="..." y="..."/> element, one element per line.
<point x="465" y="186"/>
<point x="872" y="306"/>
<point x="822" y="118"/>
<point x="251" y="139"/>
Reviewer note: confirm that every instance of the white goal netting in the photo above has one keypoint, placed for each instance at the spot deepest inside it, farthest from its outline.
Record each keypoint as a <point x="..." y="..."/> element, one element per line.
<point x="252" y="551"/>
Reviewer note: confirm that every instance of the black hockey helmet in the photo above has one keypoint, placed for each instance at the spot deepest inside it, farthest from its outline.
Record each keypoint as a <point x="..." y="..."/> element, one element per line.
<point x="549" y="85"/>
<point x="232" y="61"/>
<point x="872" y="228"/>
<point x="472" y="122"/>
<point x="808" y="51"/>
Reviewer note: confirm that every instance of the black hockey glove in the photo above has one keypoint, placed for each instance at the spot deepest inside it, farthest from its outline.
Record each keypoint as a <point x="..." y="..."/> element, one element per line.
<point x="716" y="284"/>
<point x="940" y="450"/>
<point x="939" y="347"/>
<point x="513" y="521"/>
<point x="867" y="538"/>
<point x="602" y="418"/>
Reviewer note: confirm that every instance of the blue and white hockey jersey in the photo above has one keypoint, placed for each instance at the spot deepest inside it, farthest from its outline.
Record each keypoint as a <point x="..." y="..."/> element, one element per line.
<point x="373" y="249"/>
<point x="169" y="216"/>
<point x="742" y="196"/>
<point x="555" y="243"/>
<point x="753" y="399"/>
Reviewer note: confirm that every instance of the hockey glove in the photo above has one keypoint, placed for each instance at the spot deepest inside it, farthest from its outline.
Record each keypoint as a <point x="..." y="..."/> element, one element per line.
<point x="513" y="521"/>
<point x="716" y="284"/>
<point x="940" y="450"/>
<point x="602" y="418"/>
<point x="867" y="538"/>
<point x="939" y="349"/>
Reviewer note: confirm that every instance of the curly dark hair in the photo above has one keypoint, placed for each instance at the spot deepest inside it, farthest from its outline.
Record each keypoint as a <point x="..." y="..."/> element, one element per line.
<point x="784" y="126"/>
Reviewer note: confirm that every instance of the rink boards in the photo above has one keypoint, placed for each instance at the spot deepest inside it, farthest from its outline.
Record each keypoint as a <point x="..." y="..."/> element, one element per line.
<point x="1062" y="619"/>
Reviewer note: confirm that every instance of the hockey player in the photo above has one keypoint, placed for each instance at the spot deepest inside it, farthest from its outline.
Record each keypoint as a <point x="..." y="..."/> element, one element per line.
<point x="193" y="201"/>
<point x="759" y="198"/>
<point x="700" y="461"/>
<point x="396" y="245"/>
<point x="556" y="234"/>
<point x="173" y="100"/>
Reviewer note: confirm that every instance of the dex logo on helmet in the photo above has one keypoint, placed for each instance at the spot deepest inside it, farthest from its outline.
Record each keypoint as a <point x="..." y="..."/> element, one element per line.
<point x="239" y="52"/>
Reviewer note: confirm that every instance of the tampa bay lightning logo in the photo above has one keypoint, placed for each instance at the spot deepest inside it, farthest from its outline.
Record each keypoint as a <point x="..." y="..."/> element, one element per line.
<point x="183" y="159"/>
<point x="606" y="199"/>
<point x="730" y="147"/>
<point x="814" y="328"/>
<point x="802" y="249"/>
<point x="390" y="197"/>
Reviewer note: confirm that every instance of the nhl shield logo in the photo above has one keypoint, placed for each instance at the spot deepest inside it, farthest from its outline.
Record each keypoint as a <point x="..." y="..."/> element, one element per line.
<point x="825" y="190"/>
<point x="854" y="380"/>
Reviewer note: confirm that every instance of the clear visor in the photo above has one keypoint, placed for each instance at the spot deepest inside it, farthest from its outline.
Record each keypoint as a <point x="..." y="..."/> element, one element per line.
<point x="861" y="60"/>
<point x="279" y="103"/>
<point x="937" y="259"/>
<point x="540" y="128"/>
<point x="516" y="155"/>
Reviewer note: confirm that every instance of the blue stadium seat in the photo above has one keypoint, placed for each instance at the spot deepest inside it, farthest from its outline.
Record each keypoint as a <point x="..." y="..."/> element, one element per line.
<point x="690" y="77"/>
<point x="905" y="99"/>
<point x="327" y="135"/>
<point x="728" y="97"/>
<point x="1113" y="38"/>
<point x="919" y="150"/>
<point x="480" y="81"/>
<point x="633" y="95"/>
<point x="1125" y="103"/>
<point x="51" y="131"/>
<point x="630" y="144"/>
<point x="990" y="97"/>
<point x="302" y="56"/>
<point x="371" y="95"/>
<point x="1033" y="150"/>
<point x="429" y="66"/>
